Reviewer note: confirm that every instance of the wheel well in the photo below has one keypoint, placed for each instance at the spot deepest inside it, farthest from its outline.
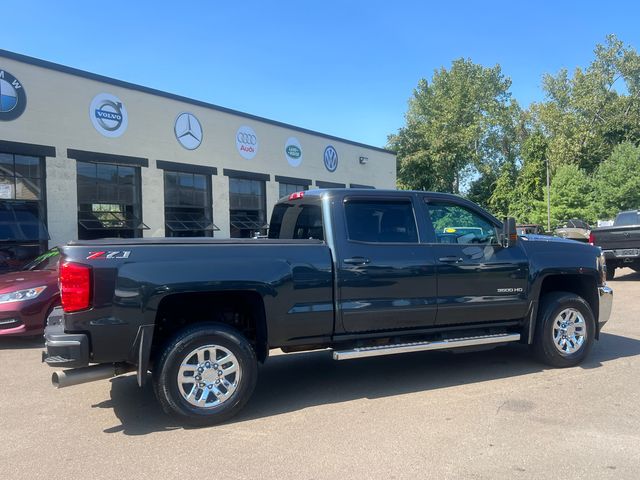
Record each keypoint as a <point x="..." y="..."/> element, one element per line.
<point x="243" y="310"/>
<point x="582" y="285"/>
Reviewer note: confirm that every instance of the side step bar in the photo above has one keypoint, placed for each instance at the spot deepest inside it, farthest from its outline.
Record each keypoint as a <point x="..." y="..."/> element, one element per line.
<point x="423" y="346"/>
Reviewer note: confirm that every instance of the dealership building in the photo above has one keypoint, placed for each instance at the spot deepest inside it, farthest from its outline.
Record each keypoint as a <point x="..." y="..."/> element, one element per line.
<point x="84" y="156"/>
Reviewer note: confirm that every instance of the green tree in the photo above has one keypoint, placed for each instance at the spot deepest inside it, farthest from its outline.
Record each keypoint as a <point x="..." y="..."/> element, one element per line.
<point x="617" y="181"/>
<point x="529" y="198"/>
<point x="587" y="114"/>
<point x="571" y="195"/>
<point x="503" y="196"/>
<point x="458" y="127"/>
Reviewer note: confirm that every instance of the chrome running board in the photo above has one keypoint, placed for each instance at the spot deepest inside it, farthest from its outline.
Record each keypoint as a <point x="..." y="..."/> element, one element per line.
<point x="423" y="346"/>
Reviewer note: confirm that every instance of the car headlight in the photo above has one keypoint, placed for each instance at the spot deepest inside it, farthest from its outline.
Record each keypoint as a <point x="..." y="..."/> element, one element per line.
<point x="21" y="295"/>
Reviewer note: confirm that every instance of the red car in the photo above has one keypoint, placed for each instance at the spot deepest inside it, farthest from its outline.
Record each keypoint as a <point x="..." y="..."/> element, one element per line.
<point x="28" y="296"/>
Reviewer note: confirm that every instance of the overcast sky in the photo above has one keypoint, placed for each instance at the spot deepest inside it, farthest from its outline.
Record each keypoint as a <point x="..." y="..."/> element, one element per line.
<point x="344" y="68"/>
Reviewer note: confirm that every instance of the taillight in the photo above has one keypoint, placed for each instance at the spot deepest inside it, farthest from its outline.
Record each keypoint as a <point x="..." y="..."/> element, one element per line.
<point x="296" y="195"/>
<point x="592" y="238"/>
<point x="75" y="286"/>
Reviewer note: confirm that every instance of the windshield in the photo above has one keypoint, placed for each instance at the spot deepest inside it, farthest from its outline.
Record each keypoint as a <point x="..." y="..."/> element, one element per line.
<point x="47" y="261"/>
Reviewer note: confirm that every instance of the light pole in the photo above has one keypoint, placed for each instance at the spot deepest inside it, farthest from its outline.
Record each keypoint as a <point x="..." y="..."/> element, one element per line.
<point x="548" y="199"/>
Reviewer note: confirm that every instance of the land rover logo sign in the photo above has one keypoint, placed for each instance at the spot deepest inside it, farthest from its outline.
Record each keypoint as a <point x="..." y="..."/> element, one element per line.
<point x="108" y="115"/>
<point x="13" y="100"/>
<point x="293" y="151"/>
<point x="330" y="158"/>
<point x="247" y="142"/>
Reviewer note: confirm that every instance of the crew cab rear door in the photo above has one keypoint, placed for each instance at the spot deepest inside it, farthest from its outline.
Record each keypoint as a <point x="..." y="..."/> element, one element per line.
<point x="386" y="277"/>
<point x="479" y="280"/>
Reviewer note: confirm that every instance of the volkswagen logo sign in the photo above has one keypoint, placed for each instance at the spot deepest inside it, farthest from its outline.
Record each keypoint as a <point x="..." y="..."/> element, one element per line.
<point x="108" y="115"/>
<point x="247" y="142"/>
<point x="188" y="131"/>
<point x="13" y="99"/>
<point x="330" y="158"/>
<point x="293" y="151"/>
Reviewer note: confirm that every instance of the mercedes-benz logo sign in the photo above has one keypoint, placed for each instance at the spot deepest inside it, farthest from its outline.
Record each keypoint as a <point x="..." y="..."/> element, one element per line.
<point x="108" y="115"/>
<point x="188" y="131"/>
<point x="330" y="158"/>
<point x="247" y="142"/>
<point x="13" y="99"/>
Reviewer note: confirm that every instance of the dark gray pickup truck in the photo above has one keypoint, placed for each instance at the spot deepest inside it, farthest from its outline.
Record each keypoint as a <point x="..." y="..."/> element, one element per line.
<point x="620" y="243"/>
<point x="358" y="272"/>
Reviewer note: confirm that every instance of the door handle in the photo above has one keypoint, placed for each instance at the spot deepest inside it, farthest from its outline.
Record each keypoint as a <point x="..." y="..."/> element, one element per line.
<point x="356" y="261"/>
<point x="450" y="259"/>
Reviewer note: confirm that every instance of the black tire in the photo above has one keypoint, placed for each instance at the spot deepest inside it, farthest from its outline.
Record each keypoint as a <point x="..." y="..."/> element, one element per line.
<point x="611" y="271"/>
<point x="165" y="373"/>
<point x="551" y="306"/>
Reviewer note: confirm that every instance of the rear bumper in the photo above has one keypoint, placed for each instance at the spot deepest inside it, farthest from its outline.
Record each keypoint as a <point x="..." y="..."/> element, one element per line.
<point x="612" y="258"/>
<point x="605" y="303"/>
<point x="66" y="350"/>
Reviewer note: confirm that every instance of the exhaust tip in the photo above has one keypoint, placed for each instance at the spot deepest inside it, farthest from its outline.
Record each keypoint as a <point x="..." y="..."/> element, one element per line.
<point x="55" y="379"/>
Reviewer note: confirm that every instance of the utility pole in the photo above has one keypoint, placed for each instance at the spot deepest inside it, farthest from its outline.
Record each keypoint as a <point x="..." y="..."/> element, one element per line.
<point x="548" y="199"/>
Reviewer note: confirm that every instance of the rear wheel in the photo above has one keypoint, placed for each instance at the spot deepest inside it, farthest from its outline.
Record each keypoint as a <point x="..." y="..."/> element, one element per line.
<point x="206" y="374"/>
<point x="565" y="330"/>
<point x="611" y="271"/>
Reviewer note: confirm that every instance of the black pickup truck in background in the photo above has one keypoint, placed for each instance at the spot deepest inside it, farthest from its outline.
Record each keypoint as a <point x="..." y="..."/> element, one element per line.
<point x="620" y="243"/>
<point x="358" y="272"/>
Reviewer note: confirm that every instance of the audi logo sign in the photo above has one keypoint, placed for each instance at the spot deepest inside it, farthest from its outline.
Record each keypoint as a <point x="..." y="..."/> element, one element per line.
<point x="247" y="142"/>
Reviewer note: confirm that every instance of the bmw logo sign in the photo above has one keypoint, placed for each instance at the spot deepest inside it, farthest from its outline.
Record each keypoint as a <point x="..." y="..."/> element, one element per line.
<point x="13" y="100"/>
<point x="108" y="115"/>
<point x="330" y="158"/>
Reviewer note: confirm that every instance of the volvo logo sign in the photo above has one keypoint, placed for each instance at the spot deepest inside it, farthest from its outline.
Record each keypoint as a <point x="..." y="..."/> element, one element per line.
<point x="293" y="151"/>
<point x="247" y="142"/>
<point x="188" y="131"/>
<point x="13" y="100"/>
<point x="330" y="158"/>
<point x="108" y="115"/>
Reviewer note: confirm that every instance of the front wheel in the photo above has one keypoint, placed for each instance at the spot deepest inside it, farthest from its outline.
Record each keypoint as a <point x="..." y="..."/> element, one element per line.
<point x="206" y="374"/>
<point x="565" y="330"/>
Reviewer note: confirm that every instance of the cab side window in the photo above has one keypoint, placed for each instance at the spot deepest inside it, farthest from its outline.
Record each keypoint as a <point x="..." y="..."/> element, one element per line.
<point x="457" y="224"/>
<point x="381" y="221"/>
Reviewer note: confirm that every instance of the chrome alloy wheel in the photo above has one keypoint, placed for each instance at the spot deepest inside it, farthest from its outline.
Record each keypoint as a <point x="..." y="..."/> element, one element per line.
<point x="208" y="376"/>
<point x="569" y="331"/>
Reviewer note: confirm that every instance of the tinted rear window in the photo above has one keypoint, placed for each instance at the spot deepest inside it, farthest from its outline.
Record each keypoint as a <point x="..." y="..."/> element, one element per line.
<point x="627" y="218"/>
<point x="296" y="221"/>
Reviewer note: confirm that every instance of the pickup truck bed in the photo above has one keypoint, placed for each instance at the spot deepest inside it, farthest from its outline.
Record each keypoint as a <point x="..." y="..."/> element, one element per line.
<point x="620" y="243"/>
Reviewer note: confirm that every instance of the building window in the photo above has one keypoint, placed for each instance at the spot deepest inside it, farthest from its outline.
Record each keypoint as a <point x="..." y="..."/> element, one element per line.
<point x="23" y="234"/>
<point x="188" y="210"/>
<point x="247" y="207"/>
<point x="109" y="203"/>
<point x="287" y="189"/>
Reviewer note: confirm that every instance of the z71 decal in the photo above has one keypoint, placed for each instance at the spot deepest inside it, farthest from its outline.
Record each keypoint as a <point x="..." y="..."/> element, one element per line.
<point x="109" y="254"/>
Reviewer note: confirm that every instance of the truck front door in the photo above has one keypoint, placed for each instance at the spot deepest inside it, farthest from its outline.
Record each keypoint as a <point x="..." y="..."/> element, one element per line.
<point x="479" y="280"/>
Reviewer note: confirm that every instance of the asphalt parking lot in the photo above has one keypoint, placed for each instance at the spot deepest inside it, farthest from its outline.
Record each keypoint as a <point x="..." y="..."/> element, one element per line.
<point x="483" y="415"/>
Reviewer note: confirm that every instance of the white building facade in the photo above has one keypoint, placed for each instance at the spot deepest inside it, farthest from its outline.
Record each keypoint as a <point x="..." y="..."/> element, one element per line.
<point x="95" y="157"/>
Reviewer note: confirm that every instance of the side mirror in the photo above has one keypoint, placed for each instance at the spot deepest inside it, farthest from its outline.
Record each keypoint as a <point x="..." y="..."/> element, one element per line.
<point x="509" y="233"/>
